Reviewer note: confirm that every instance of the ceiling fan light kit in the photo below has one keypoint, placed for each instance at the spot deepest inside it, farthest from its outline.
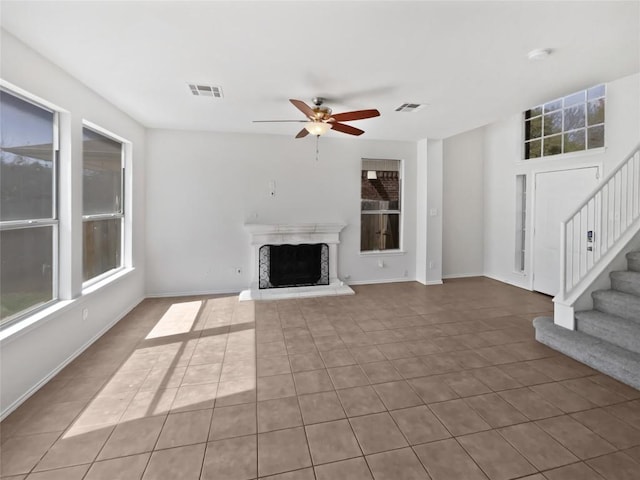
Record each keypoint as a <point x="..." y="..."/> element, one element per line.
<point x="317" y="128"/>
<point x="320" y="118"/>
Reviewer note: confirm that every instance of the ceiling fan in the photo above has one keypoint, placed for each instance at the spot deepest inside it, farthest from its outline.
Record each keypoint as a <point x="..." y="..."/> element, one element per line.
<point x="320" y="119"/>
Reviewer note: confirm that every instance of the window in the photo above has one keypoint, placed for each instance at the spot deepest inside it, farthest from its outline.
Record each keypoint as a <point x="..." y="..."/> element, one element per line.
<point x="570" y="124"/>
<point x="103" y="210"/>
<point x="28" y="213"/>
<point x="380" y="205"/>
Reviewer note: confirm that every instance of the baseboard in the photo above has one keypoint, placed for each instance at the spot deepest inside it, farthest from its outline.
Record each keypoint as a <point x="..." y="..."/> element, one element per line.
<point x="194" y="293"/>
<point x="502" y="279"/>
<point x="383" y="280"/>
<point x="463" y="275"/>
<point x="25" y="396"/>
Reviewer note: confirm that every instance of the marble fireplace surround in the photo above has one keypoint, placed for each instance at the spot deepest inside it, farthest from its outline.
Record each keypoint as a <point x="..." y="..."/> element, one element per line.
<point x="295" y="234"/>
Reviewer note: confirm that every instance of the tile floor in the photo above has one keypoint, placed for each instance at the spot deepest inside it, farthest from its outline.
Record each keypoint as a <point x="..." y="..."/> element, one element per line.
<point x="400" y="381"/>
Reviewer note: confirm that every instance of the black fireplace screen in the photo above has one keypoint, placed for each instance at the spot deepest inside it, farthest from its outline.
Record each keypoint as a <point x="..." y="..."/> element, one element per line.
<point x="293" y="265"/>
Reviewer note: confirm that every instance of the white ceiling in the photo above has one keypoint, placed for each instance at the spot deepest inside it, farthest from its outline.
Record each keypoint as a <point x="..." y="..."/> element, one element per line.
<point x="467" y="60"/>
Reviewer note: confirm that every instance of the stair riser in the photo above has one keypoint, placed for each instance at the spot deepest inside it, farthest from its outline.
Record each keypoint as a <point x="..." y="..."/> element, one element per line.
<point x="625" y="287"/>
<point x="628" y="338"/>
<point x="633" y="264"/>
<point x="609" y="359"/>
<point x="621" y="309"/>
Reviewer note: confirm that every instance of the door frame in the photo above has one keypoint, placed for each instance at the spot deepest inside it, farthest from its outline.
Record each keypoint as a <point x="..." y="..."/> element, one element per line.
<point x="531" y="222"/>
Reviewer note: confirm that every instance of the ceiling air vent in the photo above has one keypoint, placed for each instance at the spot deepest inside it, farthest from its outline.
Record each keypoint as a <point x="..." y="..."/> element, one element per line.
<point x="410" y="107"/>
<point x="205" y="90"/>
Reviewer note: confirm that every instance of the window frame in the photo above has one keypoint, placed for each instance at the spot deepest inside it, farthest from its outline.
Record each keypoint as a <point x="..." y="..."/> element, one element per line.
<point x="121" y="215"/>
<point x="53" y="222"/>
<point x="562" y="133"/>
<point x="398" y="212"/>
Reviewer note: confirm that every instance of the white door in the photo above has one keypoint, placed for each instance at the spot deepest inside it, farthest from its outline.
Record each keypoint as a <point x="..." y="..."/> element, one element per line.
<point x="556" y="195"/>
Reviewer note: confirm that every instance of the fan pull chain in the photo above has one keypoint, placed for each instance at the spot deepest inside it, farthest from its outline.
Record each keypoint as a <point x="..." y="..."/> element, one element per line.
<point x="317" y="147"/>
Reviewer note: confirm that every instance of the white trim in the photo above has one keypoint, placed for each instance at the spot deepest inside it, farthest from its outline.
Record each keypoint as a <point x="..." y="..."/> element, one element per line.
<point x="462" y="275"/>
<point x="25" y="396"/>
<point x="381" y="280"/>
<point x="234" y="291"/>
<point x="382" y="253"/>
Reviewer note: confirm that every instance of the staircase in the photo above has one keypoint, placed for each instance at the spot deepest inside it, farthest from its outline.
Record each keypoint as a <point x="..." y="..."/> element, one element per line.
<point x="606" y="338"/>
<point x="594" y="239"/>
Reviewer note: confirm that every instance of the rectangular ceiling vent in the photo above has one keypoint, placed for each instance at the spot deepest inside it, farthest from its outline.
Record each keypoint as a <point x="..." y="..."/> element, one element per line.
<point x="205" y="90"/>
<point x="410" y="107"/>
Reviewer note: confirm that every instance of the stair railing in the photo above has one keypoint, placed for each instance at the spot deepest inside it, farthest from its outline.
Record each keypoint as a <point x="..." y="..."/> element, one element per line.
<point x="596" y="226"/>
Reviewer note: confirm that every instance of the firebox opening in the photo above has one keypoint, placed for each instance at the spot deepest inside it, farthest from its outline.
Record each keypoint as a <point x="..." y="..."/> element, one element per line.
<point x="294" y="265"/>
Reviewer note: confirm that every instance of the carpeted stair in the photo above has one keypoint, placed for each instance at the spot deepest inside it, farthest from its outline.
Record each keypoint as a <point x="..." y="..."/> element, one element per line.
<point x="607" y="338"/>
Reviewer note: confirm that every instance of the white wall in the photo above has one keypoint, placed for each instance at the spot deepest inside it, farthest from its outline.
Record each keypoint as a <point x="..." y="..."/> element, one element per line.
<point x="31" y="354"/>
<point x="502" y="162"/>
<point x="203" y="187"/>
<point x="463" y="205"/>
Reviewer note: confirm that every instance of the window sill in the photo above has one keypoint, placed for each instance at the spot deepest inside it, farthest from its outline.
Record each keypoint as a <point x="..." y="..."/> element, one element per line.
<point x="25" y="325"/>
<point x="382" y="253"/>
<point x="99" y="282"/>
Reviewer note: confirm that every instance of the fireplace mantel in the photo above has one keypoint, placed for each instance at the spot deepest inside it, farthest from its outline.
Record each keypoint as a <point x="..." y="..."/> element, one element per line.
<point x="295" y="234"/>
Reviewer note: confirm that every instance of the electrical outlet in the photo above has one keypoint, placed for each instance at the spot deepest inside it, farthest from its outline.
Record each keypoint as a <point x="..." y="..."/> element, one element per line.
<point x="432" y="264"/>
<point x="85" y="313"/>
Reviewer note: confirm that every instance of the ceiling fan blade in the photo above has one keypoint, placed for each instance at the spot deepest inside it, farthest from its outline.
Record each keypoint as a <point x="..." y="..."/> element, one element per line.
<point x="302" y="133"/>
<point x="303" y="107"/>
<point x="279" y="121"/>
<point x="341" y="127"/>
<point x="355" y="115"/>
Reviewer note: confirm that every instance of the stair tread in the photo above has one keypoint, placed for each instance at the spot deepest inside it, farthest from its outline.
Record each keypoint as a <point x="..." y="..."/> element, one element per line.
<point x="611" y="359"/>
<point x="635" y="254"/>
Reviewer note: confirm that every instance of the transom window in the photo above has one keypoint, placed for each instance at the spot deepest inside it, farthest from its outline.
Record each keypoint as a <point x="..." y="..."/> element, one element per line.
<point x="570" y="124"/>
<point x="28" y="210"/>
<point x="380" y="205"/>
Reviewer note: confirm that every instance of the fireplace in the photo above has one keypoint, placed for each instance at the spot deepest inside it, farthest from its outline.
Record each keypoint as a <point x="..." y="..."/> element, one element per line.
<point x="293" y="265"/>
<point x="295" y="260"/>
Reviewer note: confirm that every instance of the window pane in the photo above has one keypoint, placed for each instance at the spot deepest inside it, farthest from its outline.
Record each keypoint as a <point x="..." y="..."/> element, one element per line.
<point x="553" y="123"/>
<point x="551" y="106"/>
<point x="379" y="231"/>
<point x="26" y="272"/>
<point x="534" y="112"/>
<point x="552" y="145"/>
<point x="595" y="112"/>
<point x="595" y="92"/>
<point x="381" y="192"/>
<point x="102" y="174"/>
<point x="574" y="117"/>
<point x="595" y="137"/>
<point x="532" y="149"/>
<point x="26" y="160"/>
<point x="574" y="141"/>
<point x="533" y="128"/>
<point x="102" y="251"/>
<point x="574" y="99"/>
